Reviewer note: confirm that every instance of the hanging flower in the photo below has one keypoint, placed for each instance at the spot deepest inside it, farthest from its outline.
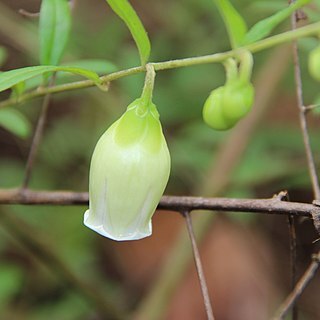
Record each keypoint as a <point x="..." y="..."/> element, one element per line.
<point x="129" y="171"/>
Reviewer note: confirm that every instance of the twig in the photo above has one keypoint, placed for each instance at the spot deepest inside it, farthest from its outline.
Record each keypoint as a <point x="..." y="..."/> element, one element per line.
<point x="316" y="216"/>
<point x="196" y="254"/>
<point x="284" y="196"/>
<point x="37" y="137"/>
<point x="171" y="64"/>
<point x="28" y="14"/>
<point x="175" y="203"/>
<point x="311" y="107"/>
<point x="299" y="288"/>
<point x="293" y="258"/>
<point x="302" y="115"/>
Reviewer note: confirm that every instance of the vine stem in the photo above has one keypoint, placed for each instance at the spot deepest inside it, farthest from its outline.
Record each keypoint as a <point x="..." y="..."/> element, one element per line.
<point x="293" y="258"/>
<point x="37" y="136"/>
<point x="302" y="115"/>
<point x="172" y="64"/>
<point x="147" y="91"/>
<point x="148" y="83"/>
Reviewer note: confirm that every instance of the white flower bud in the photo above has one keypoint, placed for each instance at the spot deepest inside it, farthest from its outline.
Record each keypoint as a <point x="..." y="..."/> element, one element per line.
<point x="129" y="171"/>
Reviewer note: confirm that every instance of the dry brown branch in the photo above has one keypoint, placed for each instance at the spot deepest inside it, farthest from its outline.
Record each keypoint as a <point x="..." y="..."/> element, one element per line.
<point x="37" y="136"/>
<point x="316" y="216"/>
<point x="302" y="114"/>
<point x="27" y="14"/>
<point x="175" y="203"/>
<point x="197" y="259"/>
<point x="299" y="288"/>
<point x="310" y="272"/>
<point x="293" y="258"/>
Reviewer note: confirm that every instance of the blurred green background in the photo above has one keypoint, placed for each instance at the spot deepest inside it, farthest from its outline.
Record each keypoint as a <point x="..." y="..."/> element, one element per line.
<point x="33" y="285"/>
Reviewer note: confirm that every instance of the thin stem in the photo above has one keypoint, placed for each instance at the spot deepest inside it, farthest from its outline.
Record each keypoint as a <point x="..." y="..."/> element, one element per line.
<point x="231" y="68"/>
<point x="148" y="83"/>
<point x="299" y="288"/>
<point x="246" y="63"/>
<point x="196" y="254"/>
<point x="146" y="96"/>
<point x="302" y="115"/>
<point x="39" y="92"/>
<point x="311" y="107"/>
<point x="37" y="137"/>
<point x="293" y="254"/>
<point x="28" y="14"/>
<point x="171" y="64"/>
<point x="309" y="274"/>
<point x="316" y="216"/>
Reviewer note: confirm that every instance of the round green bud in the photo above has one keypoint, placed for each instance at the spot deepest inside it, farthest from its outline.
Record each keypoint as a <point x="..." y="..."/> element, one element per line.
<point x="314" y="63"/>
<point x="237" y="100"/>
<point x="213" y="111"/>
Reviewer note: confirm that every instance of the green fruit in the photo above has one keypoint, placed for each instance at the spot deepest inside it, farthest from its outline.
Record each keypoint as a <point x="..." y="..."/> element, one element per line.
<point x="237" y="100"/>
<point x="314" y="63"/>
<point x="213" y="111"/>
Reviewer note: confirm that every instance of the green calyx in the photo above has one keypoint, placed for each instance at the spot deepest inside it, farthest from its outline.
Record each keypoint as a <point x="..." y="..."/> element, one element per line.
<point x="135" y="127"/>
<point x="237" y="100"/>
<point x="140" y="124"/>
<point x="212" y="112"/>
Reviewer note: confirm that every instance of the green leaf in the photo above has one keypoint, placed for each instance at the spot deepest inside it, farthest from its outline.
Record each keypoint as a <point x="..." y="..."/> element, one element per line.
<point x="10" y="78"/>
<point x="264" y="27"/>
<point x="234" y="22"/>
<point x="15" y="122"/>
<point x="54" y="24"/>
<point x="125" y="11"/>
<point x="101" y="67"/>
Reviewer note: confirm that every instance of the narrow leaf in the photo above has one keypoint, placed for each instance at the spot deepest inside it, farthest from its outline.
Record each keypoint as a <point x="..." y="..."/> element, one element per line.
<point x="15" y="122"/>
<point x="55" y="24"/>
<point x="264" y="27"/>
<point x="101" y="67"/>
<point x="10" y="78"/>
<point x="125" y="11"/>
<point x="233" y="21"/>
